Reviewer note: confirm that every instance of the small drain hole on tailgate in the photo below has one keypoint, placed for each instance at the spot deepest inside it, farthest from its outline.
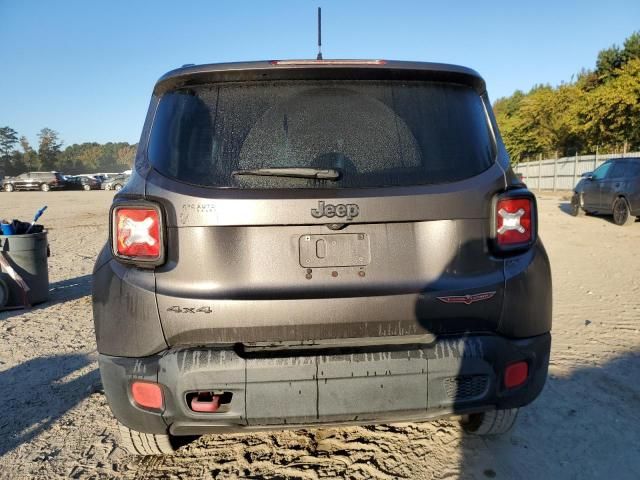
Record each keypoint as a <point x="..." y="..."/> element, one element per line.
<point x="208" y="401"/>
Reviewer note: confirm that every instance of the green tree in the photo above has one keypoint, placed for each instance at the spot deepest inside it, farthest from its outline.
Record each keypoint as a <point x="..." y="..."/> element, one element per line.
<point x="29" y="156"/>
<point x="94" y="157"/>
<point x="8" y="141"/>
<point x="540" y="122"/>
<point x="631" y="46"/>
<point x="609" y="60"/>
<point x="126" y="155"/>
<point x="49" y="148"/>
<point x="600" y="109"/>
<point x="612" y="59"/>
<point x="609" y="116"/>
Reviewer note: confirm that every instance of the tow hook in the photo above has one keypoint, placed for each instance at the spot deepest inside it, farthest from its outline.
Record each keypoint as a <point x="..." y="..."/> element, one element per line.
<point x="205" y="402"/>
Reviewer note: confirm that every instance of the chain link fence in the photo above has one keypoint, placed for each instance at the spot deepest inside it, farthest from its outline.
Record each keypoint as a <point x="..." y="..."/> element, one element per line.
<point x="562" y="173"/>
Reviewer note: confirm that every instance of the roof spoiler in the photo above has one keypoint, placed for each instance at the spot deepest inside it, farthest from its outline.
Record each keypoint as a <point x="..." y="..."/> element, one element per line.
<point x="335" y="69"/>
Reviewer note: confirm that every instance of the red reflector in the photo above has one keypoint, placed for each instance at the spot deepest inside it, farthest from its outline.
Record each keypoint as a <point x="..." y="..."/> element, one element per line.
<point x="147" y="395"/>
<point x="513" y="221"/>
<point x="516" y="374"/>
<point x="138" y="233"/>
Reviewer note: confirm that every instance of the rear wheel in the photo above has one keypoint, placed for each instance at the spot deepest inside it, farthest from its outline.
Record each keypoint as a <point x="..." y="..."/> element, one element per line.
<point x="117" y="187"/>
<point x="576" y="206"/>
<point x="8" y="188"/>
<point x="86" y="188"/>
<point x="45" y="187"/>
<point x="138" y="443"/>
<point x="494" y="422"/>
<point x="622" y="213"/>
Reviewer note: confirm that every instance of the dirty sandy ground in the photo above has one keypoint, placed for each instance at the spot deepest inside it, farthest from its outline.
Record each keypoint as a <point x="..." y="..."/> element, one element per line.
<point x="55" y="423"/>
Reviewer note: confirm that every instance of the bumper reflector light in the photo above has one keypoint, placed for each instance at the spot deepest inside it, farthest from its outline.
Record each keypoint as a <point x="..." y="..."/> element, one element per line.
<point x="147" y="395"/>
<point x="516" y="374"/>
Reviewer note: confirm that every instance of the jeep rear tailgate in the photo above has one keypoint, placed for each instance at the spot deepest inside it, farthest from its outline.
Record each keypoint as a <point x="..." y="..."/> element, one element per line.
<point x="396" y="244"/>
<point x="273" y="281"/>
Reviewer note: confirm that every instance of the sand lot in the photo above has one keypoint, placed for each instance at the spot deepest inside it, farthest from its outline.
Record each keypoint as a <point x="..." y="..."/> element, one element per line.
<point x="55" y="422"/>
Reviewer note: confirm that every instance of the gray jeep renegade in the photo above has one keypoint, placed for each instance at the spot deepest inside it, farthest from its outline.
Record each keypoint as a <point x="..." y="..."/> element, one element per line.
<point x="323" y="242"/>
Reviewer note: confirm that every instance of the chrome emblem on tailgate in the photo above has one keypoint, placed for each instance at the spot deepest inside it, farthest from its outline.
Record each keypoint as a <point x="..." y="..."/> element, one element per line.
<point x="467" y="299"/>
<point x="350" y="210"/>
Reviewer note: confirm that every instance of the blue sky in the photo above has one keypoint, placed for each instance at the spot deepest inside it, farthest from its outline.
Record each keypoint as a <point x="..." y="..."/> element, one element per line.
<point x="87" y="68"/>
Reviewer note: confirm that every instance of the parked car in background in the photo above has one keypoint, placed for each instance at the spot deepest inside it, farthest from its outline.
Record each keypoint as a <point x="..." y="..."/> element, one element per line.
<point x="612" y="189"/>
<point x="101" y="178"/>
<point x="107" y="175"/>
<point x="303" y="244"/>
<point x="43" y="181"/>
<point x="116" y="182"/>
<point x="82" y="182"/>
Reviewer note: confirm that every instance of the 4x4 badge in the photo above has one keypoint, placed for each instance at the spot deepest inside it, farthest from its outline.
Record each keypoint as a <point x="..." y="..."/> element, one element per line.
<point x="468" y="299"/>
<point x="349" y="210"/>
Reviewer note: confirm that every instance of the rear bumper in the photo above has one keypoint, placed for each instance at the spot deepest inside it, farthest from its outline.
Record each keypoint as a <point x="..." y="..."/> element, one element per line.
<point x="450" y="375"/>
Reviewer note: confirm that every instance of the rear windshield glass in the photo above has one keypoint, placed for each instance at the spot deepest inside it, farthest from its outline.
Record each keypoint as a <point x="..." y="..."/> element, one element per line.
<point x="374" y="133"/>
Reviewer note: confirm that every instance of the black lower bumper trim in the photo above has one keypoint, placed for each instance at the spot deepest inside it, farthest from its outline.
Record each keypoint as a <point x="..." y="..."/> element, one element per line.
<point x="451" y="375"/>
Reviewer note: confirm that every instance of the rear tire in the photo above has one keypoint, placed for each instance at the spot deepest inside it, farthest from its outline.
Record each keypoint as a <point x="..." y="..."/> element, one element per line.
<point x="86" y="188"/>
<point x="576" y="207"/>
<point x="143" y="444"/>
<point x="45" y="187"/>
<point x="622" y="213"/>
<point x="494" y="422"/>
<point x="117" y="187"/>
<point x="8" y="188"/>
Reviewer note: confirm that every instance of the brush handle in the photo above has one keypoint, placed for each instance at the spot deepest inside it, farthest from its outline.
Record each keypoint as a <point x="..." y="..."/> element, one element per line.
<point x="39" y="214"/>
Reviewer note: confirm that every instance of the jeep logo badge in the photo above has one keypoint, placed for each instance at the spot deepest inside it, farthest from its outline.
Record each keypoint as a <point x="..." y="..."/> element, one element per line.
<point x="350" y="210"/>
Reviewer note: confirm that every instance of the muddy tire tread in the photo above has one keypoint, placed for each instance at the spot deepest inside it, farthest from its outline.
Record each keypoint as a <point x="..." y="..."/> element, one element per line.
<point x="144" y="444"/>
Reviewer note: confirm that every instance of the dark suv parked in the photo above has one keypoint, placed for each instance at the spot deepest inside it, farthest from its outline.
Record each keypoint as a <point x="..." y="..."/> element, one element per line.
<point x="44" y="181"/>
<point x="320" y="242"/>
<point x="82" y="183"/>
<point x="612" y="189"/>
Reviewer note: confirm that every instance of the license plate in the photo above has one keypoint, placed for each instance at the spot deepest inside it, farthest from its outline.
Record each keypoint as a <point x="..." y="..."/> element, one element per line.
<point x="335" y="250"/>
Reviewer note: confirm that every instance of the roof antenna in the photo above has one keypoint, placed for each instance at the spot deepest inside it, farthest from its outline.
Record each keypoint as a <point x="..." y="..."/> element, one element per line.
<point x="319" y="57"/>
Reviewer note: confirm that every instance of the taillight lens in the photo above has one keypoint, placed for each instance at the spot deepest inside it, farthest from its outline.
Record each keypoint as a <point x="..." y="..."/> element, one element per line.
<point x="137" y="233"/>
<point x="514" y="222"/>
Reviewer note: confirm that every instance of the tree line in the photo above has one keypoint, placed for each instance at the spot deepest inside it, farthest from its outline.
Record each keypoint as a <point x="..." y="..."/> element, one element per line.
<point x="18" y="156"/>
<point x="598" y="111"/>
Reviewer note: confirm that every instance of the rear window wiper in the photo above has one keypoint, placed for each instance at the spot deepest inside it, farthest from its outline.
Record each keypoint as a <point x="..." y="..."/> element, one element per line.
<point x="324" y="174"/>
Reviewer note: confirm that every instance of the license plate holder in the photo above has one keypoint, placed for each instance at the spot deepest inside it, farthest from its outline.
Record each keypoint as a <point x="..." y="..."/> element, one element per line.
<point x="335" y="250"/>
